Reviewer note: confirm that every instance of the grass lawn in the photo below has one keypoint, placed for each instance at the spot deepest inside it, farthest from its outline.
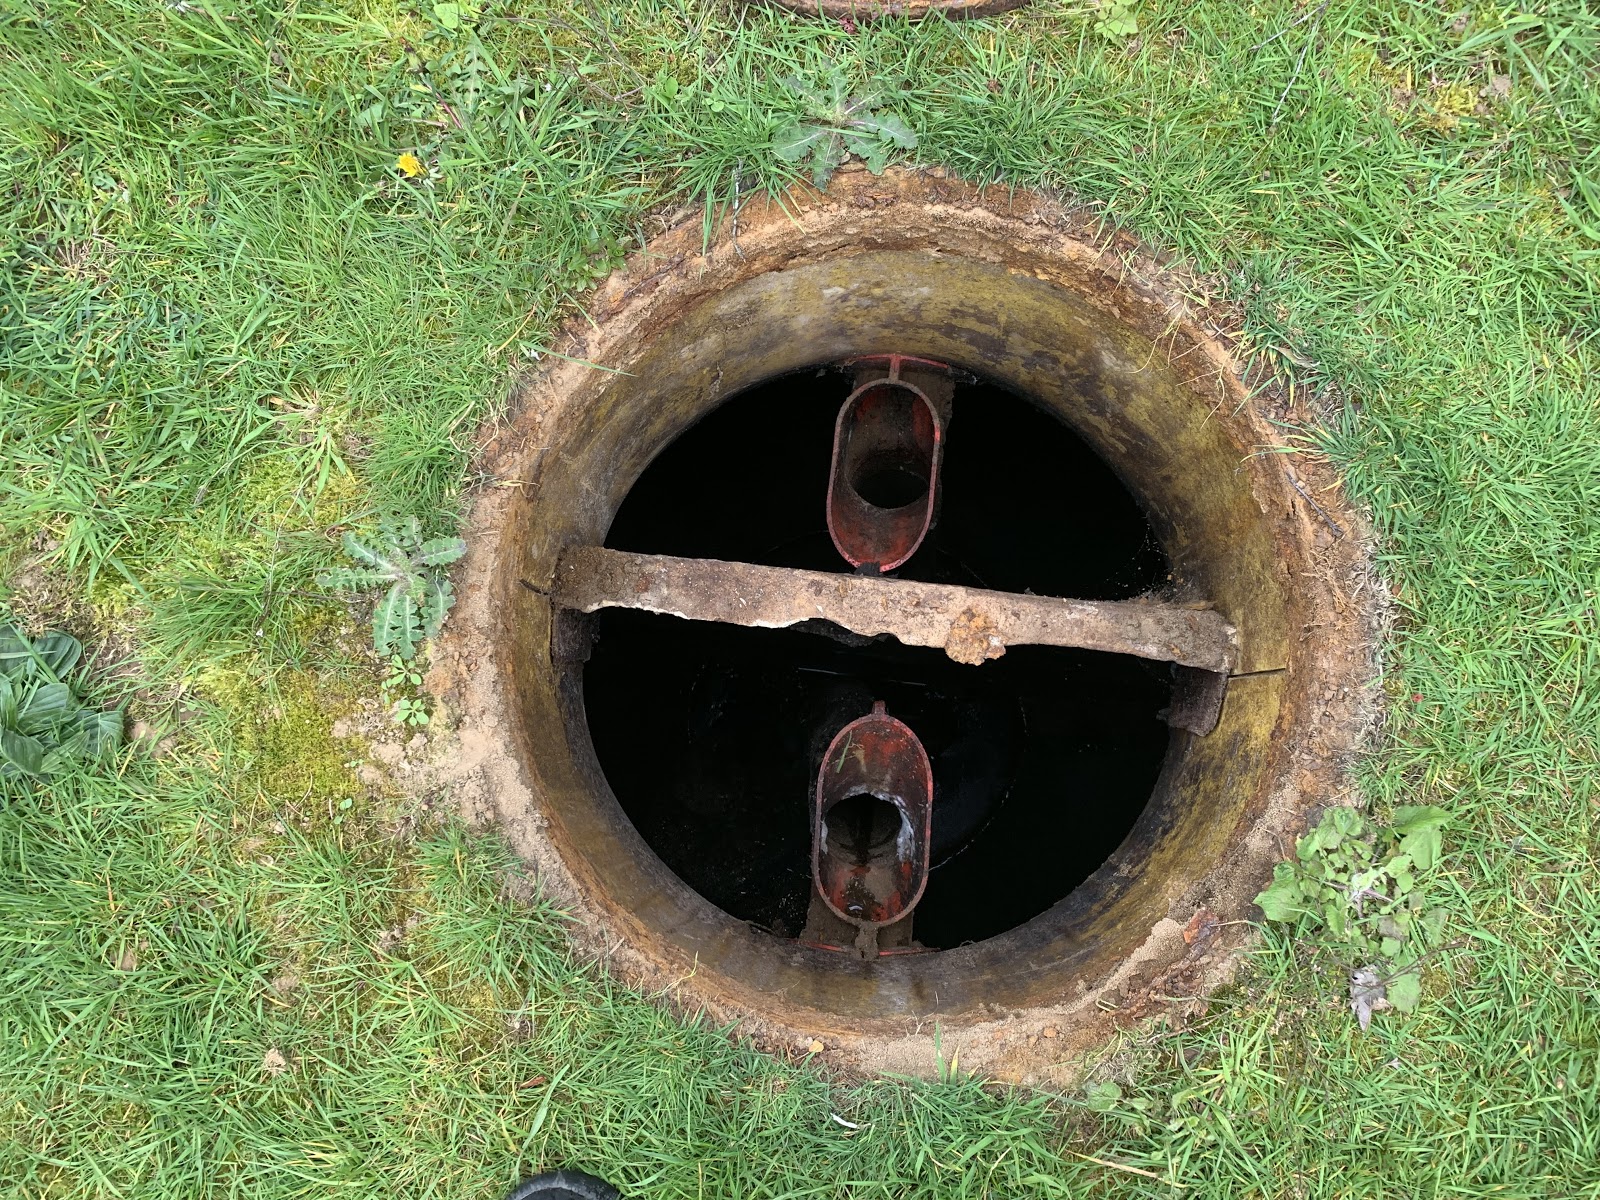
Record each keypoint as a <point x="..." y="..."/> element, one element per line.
<point x="229" y="324"/>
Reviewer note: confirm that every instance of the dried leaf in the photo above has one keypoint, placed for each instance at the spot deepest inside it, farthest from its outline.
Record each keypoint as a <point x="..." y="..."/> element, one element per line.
<point x="1367" y="994"/>
<point x="274" y="1062"/>
<point x="1202" y="927"/>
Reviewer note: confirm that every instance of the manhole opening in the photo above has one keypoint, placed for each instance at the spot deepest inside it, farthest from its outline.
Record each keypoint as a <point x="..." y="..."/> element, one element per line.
<point x="711" y="735"/>
<point x="647" y="699"/>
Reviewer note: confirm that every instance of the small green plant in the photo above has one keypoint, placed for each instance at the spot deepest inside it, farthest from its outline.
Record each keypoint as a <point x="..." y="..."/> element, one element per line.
<point x="419" y="596"/>
<point x="1359" y="886"/>
<point x="401" y="675"/>
<point x="408" y="710"/>
<point x="839" y="124"/>
<point x="44" y="727"/>
<point x="1114" y="20"/>
<point x="1102" y="1097"/>
<point x="451" y="15"/>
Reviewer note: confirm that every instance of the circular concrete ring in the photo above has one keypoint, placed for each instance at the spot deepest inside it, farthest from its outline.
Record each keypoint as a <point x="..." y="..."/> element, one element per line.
<point x="1008" y="285"/>
<point x="868" y="10"/>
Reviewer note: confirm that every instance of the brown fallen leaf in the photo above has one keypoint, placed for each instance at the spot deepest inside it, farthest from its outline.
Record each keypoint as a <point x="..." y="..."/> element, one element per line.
<point x="1202" y="927"/>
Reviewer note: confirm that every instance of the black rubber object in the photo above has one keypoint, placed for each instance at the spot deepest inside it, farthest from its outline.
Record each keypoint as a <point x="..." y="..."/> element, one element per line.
<point x="564" y="1185"/>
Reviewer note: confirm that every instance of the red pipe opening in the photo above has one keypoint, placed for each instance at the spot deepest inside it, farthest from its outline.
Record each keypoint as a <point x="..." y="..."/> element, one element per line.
<point x="870" y="829"/>
<point x="887" y="445"/>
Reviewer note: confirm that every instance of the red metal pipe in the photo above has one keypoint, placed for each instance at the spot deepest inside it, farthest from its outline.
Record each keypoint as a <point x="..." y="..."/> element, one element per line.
<point x="882" y="487"/>
<point x="870" y="828"/>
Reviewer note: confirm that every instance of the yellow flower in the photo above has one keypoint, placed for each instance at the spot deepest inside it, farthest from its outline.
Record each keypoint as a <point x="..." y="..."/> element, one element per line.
<point x="409" y="165"/>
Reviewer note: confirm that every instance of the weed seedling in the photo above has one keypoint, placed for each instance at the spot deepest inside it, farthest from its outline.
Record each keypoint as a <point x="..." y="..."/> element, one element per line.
<point x="408" y="710"/>
<point x="419" y="596"/>
<point x="1359" y="888"/>
<point x="838" y="125"/>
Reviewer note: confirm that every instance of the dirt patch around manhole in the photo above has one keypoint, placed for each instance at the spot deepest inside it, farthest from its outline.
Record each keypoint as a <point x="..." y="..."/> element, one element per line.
<point x="1049" y="300"/>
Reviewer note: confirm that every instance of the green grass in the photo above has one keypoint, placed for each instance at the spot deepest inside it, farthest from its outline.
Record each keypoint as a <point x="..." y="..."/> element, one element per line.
<point x="228" y="330"/>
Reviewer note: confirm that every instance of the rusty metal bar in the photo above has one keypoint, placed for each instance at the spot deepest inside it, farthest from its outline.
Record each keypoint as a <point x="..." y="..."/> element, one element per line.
<point x="969" y="624"/>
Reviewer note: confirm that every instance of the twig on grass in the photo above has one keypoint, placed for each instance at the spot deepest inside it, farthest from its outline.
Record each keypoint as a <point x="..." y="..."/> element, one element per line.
<point x="1300" y="20"/>
<point x="1301" y="61"/>
<point x="1116" y="1166"/>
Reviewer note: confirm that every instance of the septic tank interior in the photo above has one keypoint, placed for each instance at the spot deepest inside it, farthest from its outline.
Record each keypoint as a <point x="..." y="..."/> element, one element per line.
<point x="1100" y="662"/>
<point x="707" y="732"/>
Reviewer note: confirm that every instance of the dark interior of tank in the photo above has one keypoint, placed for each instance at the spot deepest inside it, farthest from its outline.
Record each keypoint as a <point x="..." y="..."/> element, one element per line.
<point x="711" y="735"/>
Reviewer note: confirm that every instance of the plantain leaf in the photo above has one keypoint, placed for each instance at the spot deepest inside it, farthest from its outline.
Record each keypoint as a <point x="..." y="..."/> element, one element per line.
<point x="19" y="754"/>
<point x="44" y="708"/>
<point x="93" y="735"/>
<point x="101" y="731"/>
<point x="60" y="651"/>
<point x="51" y="657"/>
<point x="15" y="651"/>
<point x="439" y="551"/>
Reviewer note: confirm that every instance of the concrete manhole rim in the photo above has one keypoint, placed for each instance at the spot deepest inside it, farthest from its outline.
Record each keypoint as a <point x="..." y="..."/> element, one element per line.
<point x="1327" y="705"/>
<point x="870" y="10"/>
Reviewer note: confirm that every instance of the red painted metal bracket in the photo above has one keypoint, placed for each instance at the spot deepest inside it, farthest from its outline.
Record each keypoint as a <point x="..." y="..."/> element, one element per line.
<point x="883" y="486"/>
<point x="872" y="820"/>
